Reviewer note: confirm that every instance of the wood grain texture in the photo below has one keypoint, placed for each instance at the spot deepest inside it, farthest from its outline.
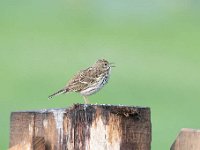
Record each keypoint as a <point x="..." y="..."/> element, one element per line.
<point x="38" y="143"/>
<point x="188" y="139"/>
<point x="84" y="127"/>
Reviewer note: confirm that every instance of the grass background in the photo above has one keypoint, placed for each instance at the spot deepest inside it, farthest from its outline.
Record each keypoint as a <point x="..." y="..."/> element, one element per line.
<point x="154" y="44"/>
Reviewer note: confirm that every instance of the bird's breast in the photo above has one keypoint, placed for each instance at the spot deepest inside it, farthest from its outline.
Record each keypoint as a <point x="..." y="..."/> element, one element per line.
<point x="96" y="86"/>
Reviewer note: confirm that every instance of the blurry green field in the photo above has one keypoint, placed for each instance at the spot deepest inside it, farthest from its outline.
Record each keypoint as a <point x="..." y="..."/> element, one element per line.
<point x="155" y="47"/>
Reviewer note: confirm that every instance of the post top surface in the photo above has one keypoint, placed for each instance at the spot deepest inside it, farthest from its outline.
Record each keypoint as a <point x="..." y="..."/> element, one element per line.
<point x="81" y="105"/>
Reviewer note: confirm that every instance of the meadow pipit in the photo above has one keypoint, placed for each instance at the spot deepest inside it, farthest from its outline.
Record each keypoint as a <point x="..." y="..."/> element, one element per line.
<point x="88" y="81"/>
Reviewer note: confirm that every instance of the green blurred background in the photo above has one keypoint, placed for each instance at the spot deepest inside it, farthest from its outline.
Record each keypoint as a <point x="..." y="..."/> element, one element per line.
<point x="154" y="44"/>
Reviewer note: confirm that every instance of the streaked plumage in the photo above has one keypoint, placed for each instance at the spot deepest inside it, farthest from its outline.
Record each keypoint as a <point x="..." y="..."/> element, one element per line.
<point x="88" y="81"/>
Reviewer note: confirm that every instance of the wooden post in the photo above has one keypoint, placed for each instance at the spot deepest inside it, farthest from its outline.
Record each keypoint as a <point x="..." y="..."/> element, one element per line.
<point x="188" y="139"/>
<point x="84" y="127"/>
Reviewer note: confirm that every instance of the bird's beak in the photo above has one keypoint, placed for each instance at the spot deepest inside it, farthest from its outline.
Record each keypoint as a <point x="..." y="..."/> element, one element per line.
<point x="112" y="65"/>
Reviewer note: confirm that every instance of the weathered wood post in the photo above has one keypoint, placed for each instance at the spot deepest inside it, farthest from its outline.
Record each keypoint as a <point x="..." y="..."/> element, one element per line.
<point x="84" y="127"/>
<point x="187" y="139"/>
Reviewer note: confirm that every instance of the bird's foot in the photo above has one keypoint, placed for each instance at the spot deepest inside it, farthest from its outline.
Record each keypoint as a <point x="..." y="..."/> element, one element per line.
<point x="86" y="100"/>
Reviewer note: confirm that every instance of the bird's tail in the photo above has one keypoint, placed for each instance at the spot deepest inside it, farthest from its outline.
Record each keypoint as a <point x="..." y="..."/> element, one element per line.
<point x="62" y="91"/>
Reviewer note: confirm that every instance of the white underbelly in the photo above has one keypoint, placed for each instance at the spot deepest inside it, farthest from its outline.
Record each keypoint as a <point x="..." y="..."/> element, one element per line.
<point x="95" y="87"/>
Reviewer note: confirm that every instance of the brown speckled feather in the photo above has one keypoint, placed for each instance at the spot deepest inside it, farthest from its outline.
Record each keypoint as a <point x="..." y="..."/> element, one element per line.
<point x="83" y="79"/>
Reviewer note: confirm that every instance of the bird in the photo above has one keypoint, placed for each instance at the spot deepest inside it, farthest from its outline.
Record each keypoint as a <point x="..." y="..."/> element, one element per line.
<point x="88" y="81"/>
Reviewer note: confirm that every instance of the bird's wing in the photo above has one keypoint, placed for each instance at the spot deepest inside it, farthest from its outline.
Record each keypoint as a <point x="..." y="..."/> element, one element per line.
<point x="82" y="80"/>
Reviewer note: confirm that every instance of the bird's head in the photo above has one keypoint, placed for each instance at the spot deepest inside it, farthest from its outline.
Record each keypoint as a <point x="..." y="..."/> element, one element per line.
<point x="103" y="64"/>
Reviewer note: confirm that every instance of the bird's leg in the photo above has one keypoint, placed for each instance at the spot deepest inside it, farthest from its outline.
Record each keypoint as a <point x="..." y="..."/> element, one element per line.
<point x="86" y="100"/>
